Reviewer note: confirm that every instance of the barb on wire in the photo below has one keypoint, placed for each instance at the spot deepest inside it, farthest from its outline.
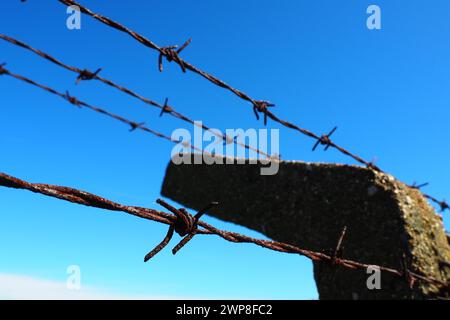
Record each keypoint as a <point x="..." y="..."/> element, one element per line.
<point x="262" y="107"/>
<point x="72" y="100"/>
<point x="324" y="140"/>
<point x="230" y="140"/>
<point x="166" y="108"/>
<point x="84" y="74"/>
<point x="419" y="186"/>
<point x="185" y="225"/>
<point x="443" y="205"/>
<point x="180" y="221"/>
<point x="135" y="126"/>
<point x="173" y="55"/>
<point x="339" y="251"/>
<point x="407" y="274"/>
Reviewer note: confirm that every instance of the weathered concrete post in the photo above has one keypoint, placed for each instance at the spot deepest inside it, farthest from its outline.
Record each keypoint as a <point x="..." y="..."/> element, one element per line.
<point x="308" y="205"/>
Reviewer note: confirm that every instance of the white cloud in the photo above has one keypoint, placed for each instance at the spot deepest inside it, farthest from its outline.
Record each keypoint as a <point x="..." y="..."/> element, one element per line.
<point x="21" y="287"/>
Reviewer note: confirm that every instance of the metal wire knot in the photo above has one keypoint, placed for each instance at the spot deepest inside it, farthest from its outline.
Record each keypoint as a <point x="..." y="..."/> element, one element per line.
<point x="406" y="273"/>
<point x="339" y="250"/>
<point x="185" y="224"/>
<point x="325" y="140"/>
<point x="444" y="206"/>
<point x="134" y="125"/>
<point x="262" y="106"/>
<point x="87" y="75"/>
<point x="172" y="55"/>
<point x="166" y="108"/>
<point x="72" y="100"/>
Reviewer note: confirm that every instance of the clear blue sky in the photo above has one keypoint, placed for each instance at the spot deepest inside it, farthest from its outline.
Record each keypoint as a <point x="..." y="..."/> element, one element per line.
<point x="388" y="91"/>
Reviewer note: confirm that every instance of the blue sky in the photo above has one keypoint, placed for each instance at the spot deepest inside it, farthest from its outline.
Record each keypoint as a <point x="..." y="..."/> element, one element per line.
<point x="387" y="90"/>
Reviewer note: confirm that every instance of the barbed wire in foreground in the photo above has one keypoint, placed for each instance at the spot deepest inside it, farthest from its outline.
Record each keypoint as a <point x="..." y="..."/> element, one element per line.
<point x="188" y="226"/>
<point x="171" y="53"/>
<point x="86" y="75"/>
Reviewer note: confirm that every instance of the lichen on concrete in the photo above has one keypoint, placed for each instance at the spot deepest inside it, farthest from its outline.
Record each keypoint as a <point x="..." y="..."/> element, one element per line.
<point x="308" y="204"/>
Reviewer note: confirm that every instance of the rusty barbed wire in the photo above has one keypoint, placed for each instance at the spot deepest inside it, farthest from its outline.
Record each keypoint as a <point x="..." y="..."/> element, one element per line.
<point x="259" y="106"/>
<point x="79" y="103"/>
<point x="442" y="203"/>
<point x="86" y="75"/>
<point x="188" y="226"/>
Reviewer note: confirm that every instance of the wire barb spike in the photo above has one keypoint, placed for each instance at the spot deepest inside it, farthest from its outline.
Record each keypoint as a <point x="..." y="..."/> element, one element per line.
<point x="71" y="99"/>
<point x="171" y="53"/>
<point x="261" y="106"/>
<point x="183" y="223"/>
<point x="406" y="273"/>
<point x="444" y="206"/>
<point x="134" y="125"/>
<point x="419" y="186"/>
<point x="339" y="250"/>
<point x="325" y="140"/>
<point x="87" y="75"/>
<point x="166" y="108"/>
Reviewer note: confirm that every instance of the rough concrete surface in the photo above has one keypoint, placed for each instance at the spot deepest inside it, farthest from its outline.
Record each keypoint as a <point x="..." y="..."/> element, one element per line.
<point x="308" y="204"/>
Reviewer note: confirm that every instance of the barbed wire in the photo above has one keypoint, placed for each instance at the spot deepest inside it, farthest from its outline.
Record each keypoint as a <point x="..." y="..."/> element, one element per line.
<point x="79" y="103"/>
<point x="171" y="53"/>
<point x="85" y="75"/>
<point x="259" y="106"/>
<point x="188" y="226"/>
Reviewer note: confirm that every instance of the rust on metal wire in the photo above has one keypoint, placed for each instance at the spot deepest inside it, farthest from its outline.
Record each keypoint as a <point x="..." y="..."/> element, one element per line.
<point x="442" y="204"/>
<point x="259" y="106"/>
<point x="339" y="251"/>
<point x="180" y="221"/>
<point x="87" y="75"/>
<point x="166" y="108"/>
<point x="406" y="273"/>
<point x="187" y="226"/>
<point x="171" y="54"/>
<point x="324" y="140"/>
<point x="262" y="107"/>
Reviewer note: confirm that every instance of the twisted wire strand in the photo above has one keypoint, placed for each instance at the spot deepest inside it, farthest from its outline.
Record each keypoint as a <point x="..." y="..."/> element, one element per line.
<point x="173" y="220"/>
